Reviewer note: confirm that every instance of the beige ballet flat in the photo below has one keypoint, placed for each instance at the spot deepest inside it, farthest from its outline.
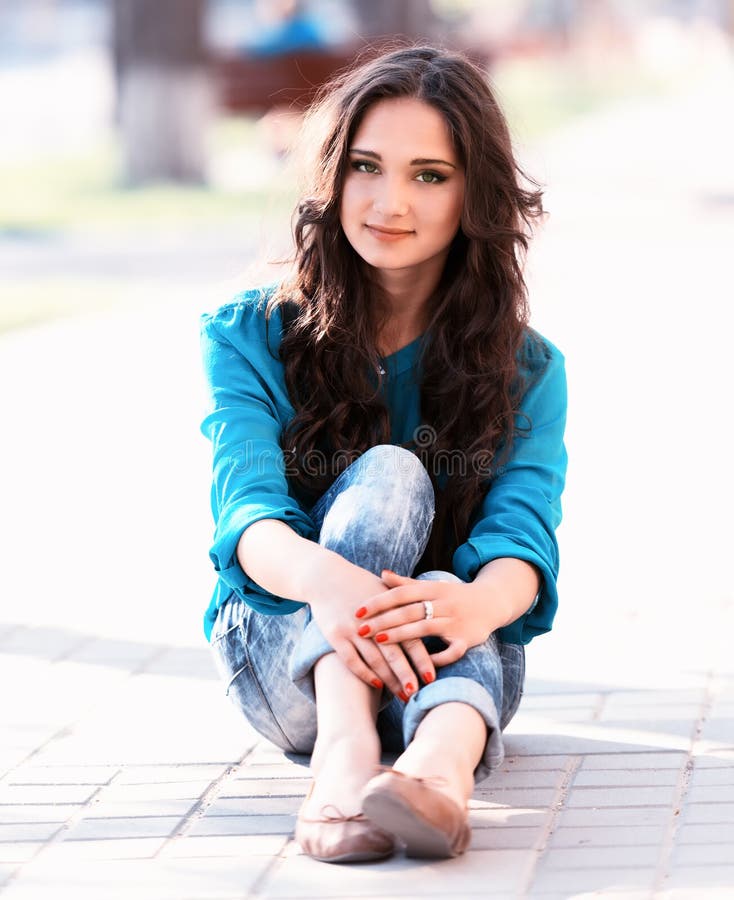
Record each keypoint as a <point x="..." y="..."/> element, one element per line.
<point x="335" y="838"/>
<point x="428" y="822"/>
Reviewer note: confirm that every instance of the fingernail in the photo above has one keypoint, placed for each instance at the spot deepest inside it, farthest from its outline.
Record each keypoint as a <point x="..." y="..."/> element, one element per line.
<point x="428" y="677"/>
<point x="409" y="689"/>
<point x="361" y="612"/>
<point x="381" y="638"/>
<point x="376" y="683"/>
<point x="403" y="696"/>
<point x="364" y="631"/>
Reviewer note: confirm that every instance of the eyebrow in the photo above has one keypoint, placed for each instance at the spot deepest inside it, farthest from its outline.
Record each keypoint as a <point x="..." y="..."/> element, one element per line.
<point x="414" y="162"/>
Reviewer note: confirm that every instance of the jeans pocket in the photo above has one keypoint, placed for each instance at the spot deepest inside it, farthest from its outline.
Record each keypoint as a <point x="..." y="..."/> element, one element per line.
<point x="513" y="680"/>
<point x="243" y="686"/>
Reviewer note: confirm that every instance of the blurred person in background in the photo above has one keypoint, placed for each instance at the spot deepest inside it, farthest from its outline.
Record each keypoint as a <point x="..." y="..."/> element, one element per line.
<point x="388" y="462"/>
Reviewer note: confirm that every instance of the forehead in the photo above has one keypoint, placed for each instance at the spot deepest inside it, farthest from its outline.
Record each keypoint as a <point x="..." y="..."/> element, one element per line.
<point x="405" y="126"/>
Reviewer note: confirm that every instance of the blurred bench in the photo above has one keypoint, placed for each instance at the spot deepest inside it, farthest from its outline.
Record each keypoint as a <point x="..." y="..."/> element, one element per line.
<point x="254" y="84"/>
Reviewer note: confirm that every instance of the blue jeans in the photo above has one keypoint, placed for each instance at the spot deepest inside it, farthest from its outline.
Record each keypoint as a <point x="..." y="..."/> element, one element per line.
<point x="378" y="515"/>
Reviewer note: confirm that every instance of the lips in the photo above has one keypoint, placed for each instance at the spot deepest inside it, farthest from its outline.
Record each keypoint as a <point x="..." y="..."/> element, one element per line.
<point x="387" y="234"/>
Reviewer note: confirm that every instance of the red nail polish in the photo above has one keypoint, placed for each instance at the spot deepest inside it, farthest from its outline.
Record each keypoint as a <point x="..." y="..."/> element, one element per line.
<point x="364" y="631"/>
<point x="409" y="689"/>
<point x="428" y="677"/>
<point x="403" y="696"/>
<point x="381" y="638"/>
<point x="376" y="683"/>
<point x="361" y="612"/>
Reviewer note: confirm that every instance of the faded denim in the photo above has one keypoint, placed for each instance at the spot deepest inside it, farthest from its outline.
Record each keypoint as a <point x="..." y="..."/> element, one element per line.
<point x="378" y="515"/>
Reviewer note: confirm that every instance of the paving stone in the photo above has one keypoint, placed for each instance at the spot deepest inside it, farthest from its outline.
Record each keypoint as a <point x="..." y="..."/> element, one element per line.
<point x="626" y="857"/>
<point x="266" y="787"/>
<point x="699" y="878"/>
<point x="105" y="651"/>
<point x="255" y="806"/>
<point x="721" y="833"/>
<point x="620" y="796"/>
<point x="600" y="836"/>
<point x="60" y="812"/>
<point x="28" y="831"/>
<point x="19" y="851"/>
<point x="708" y="813"/>
<point x="671" y="760"/>
<point x="49" y="643"/>
<point x="11" y="794"/>
<point x="178" y="774"/>
<point x="235" y="825"/>
<point x="540" y="798"/>
<point x="614" y="816"/>
<point x="721" y="775"/>
<point x="57" y="775"/>
<point x="703" y="855"/>
<point x="283" y="771"/>
<point x="594" y="740"/>
<point x="105" y="848"/>
<point x="139" y="827"/>
<point x="497" y="838"/>
<point x="192" y="846"/>
<point x="502" y="780"/>
<point x="597" y="880"/>
<point x="626" y="778"/>
<point x="140" y="808"/>
<point x="560" y="701"/>
<point x="507" y="816"/>
<point x="719" y="730"/>
<point x="168" y="790"/>
<point x="497" y="872"/>
<point x="159" y="879"/>
<point x="707" y="758"/>
<point x="711" y="793"/>
<point x="539" y="763"/>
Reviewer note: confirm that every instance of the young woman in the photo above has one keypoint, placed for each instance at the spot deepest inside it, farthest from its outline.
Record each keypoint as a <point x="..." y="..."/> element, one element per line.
<point x="388" y="463"/>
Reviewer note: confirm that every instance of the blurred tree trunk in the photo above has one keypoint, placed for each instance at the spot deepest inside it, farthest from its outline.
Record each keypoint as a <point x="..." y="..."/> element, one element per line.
<point x="163" y="93"/>
<point x="412" y="19"/>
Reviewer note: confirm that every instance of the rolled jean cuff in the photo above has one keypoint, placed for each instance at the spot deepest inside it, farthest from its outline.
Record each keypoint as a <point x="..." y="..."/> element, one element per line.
<point x="455" y="689"/>
<point x="306" y="653"/>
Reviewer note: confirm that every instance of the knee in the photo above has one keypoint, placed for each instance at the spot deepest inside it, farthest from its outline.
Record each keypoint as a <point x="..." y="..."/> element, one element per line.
<point x="398" y="471"/>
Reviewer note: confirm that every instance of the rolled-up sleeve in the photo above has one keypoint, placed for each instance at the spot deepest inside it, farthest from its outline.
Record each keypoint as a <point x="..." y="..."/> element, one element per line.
<point x="249" y="481"/>
<point x="521" y="510"/>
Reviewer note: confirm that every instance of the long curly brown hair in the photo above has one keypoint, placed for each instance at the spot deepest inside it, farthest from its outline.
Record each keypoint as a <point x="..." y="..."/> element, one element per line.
<point x="471" y="364"/>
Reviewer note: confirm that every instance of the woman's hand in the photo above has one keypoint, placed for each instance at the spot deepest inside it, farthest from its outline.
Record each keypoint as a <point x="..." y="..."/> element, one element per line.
<point x="464" y="615"/>
<point x="344" y="588"/>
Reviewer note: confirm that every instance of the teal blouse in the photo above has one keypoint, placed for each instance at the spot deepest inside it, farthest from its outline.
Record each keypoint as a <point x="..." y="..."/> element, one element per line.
<point x="250" y="408"/>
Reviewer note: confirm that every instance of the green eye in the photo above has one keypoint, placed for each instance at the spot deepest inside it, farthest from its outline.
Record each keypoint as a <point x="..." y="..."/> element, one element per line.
<point x="431" y="177"/>
<point x="361" y="165"/>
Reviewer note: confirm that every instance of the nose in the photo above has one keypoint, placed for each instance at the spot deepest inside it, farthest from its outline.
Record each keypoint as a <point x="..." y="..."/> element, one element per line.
<point x="390" y="198"/>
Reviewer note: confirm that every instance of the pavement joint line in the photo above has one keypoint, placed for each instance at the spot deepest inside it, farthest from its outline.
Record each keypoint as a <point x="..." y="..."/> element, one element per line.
<point x="554" y="811"/>
<point x="682" y="788"/>
<point x="199" y="808"/>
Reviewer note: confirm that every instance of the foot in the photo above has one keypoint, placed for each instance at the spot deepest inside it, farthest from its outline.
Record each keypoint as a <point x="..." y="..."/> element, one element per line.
<point x="341" y="767"/>
<point x="331" y="826"/>
<point x="429" y="823"/>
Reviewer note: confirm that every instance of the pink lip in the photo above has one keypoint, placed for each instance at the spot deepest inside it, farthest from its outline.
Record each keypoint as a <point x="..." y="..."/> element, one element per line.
<point x="386" y="234"/>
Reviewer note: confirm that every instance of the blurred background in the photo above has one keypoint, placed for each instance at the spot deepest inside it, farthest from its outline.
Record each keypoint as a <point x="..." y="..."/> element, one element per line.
<point x="144" y="178"/>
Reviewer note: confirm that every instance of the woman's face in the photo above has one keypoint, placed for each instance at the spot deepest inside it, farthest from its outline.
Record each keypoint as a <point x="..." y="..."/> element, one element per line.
<point x="403" y="189"/>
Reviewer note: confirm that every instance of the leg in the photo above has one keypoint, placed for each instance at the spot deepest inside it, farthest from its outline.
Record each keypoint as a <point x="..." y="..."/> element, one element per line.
<point x="452" y="733"/>
<point x="251" y="652"/>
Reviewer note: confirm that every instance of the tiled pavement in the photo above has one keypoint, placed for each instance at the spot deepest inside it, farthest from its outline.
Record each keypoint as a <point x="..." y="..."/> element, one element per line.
<point x="125" y="773"/>
<point x="137" y="779"/>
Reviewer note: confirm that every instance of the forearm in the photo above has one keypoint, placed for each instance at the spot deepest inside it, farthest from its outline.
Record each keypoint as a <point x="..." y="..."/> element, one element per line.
<point x="286" y="564"/>
<point x="511" y="586"/>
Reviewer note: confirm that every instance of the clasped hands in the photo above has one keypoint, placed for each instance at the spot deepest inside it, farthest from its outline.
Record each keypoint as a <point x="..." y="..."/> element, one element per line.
<point x="396" y="620"/>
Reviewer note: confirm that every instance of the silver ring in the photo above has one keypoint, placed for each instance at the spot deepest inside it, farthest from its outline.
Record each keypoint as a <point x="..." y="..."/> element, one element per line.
<point x="428" y="609"/>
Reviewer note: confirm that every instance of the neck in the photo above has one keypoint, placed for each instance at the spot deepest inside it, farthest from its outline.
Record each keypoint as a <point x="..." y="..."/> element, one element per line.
<point x="406" y="294"/>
